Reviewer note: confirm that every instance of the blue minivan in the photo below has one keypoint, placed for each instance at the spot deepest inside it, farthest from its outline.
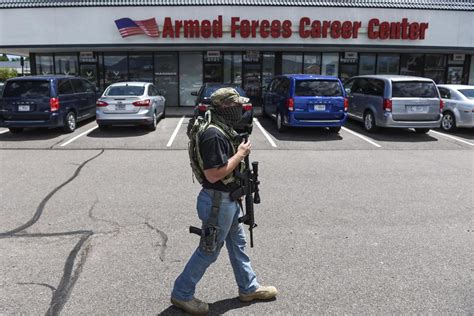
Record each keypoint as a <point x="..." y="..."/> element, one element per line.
<point x="306" y="101"/>
<point x="46" y="101"/>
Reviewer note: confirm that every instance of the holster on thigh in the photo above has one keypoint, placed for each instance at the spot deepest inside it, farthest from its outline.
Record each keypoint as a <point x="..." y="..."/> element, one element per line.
<point x="210" y="229"/>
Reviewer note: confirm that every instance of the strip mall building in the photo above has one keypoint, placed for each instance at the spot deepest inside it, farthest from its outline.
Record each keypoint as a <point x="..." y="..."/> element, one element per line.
<point x="180" y="44"/>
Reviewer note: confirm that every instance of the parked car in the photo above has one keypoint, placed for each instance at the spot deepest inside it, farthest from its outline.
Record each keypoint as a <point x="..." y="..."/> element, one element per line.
<point x="46" y="101"/>
<point x="203" y="102"/>
<point x="394" y="101"/>
<point x="458" y="108"/>
<point x="1" y="88"/>
<point x="306" y="101"/>
<point x="130" y="103"/>
<point x="203" y="96"/>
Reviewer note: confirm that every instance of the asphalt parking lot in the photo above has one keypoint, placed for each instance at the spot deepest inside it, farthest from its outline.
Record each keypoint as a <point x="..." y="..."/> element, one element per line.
<point x="96" y="222"/>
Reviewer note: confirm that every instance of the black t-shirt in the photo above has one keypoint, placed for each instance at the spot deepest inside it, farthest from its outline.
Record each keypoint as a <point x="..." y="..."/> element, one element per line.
<point x="215" y="150"/>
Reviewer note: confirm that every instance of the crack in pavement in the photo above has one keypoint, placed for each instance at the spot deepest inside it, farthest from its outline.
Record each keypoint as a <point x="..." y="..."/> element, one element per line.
<point x="52" y="288"/>
<point x="94" y="218"/>
<point x="164" y="240"/>
<point x="70" y="274"/>
<point x="39" y="210"/>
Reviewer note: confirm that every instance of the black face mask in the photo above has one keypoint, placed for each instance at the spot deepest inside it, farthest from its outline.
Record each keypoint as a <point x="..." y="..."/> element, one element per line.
<point x="232" y="114"/>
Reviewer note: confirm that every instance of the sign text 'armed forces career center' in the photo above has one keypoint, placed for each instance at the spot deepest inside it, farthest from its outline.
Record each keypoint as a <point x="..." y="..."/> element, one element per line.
<point x="244" y="28"/>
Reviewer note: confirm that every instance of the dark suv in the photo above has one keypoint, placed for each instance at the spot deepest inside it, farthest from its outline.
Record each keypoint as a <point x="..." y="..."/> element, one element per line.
<point x="46" y="101"/>
<point x="203" y="101"/>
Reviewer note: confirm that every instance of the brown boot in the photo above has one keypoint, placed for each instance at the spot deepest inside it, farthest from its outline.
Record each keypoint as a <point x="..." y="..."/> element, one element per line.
<point x="193" y="307"/>
<point x="262" y="293"/>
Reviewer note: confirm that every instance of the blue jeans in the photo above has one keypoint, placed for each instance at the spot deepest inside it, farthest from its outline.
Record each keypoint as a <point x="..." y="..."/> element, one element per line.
<point x="230" y="231"/>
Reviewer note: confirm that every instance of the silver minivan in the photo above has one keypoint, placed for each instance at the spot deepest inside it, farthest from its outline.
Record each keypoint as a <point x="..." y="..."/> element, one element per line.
<point x="394" y="101"/>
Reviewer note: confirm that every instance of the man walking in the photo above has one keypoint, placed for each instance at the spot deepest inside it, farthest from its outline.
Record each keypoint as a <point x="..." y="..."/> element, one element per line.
<point x="221" y="155"/>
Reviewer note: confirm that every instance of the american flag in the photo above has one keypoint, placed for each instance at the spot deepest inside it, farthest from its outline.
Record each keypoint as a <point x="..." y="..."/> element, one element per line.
<point x="128" y="27"/>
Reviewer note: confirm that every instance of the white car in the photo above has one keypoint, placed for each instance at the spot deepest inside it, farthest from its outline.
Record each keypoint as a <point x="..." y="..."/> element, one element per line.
<point x="458" y="108"/>
<point x="130" y="103"/>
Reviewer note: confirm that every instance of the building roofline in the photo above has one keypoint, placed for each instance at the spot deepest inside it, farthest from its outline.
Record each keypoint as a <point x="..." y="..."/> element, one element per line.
<point x="459" y="5"/>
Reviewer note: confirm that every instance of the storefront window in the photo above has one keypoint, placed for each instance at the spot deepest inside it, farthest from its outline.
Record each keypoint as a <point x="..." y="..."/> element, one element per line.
<point x="367" y="64"/>
<point x="166" y="76"/>
<point x="66" y="64"/>
<point x="330" y="64"/>
<point x="388" y="64"/>
<point x="348" y="65"/>
<point x="312" y="64"/>
<point x="291" y="63"/>
<point x="268" y="68"/>
<point x="44" y="64"/>
<point x="141" y="67"/>
<point x="190" y="74"/>
<point x="457" y="69"/>
<point x="471" y="72"/>
<point x="237" y="68"/>
<point x="213" y="68"/>
<point x="227" y="67"/>
<point x="434" y="67"/>
<point x="454" y="75"/>
<point x="411" y="64"/>
<point x="115" y="68"/>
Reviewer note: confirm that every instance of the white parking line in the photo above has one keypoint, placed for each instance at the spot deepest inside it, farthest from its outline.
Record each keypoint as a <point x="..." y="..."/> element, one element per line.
<point x="4" y="131"/>
<point x="452" y="137"/>
<point x="170" y="142"/>
<point x="361" y="136"/>
<point x="80" y="135"/>
<point x="265" y="133"/>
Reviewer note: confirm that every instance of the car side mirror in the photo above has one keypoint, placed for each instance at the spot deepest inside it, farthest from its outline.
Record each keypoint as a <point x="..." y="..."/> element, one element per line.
<point x="194" y="93"/>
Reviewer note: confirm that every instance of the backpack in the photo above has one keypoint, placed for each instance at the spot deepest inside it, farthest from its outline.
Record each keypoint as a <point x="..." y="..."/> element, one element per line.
<point x="197" y="126"/>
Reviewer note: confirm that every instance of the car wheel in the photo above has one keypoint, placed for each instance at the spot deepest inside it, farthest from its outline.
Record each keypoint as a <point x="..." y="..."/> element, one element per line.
<point x="15" y="130"/>
<point x="152" y="126"/>
<point x="421" y="130"/>
<point x="334" y="129"/>
<point x="369" y="122"/>
<point x="280" y="127"/>
<point x="448" y="122"/>
<point x="70" y="122"/>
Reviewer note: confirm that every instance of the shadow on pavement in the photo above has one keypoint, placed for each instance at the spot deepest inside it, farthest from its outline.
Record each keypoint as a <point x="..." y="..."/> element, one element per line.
<point x="305" y="134"/>
<point x="391" y="134"/>
<point x="119" y="132"/>
<point x="40" y="133"/>
<point x="217" y="308"/>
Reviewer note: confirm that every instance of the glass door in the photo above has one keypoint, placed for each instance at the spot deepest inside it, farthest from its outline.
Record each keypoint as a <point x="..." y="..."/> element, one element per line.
<point x="190" y="76"/>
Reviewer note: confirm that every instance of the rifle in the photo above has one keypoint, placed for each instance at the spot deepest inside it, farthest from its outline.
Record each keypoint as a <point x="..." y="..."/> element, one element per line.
<point x="249" y="188"/>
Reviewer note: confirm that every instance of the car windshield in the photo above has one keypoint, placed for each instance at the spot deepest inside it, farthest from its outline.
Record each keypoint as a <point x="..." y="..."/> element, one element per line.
<point x="211" y="89"/>
<point x="26" y="88"/>
<point x="323" y="88"/>
<point x="414" y="89"/>
<point x="468" y="93"/>
<point x="125" y="90"/>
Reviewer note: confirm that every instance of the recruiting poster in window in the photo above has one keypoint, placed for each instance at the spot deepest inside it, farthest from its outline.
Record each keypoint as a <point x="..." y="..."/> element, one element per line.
<point x="455" y="75"/>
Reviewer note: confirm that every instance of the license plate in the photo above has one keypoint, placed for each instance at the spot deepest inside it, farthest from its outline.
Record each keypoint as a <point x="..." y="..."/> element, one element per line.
<point x="319" y="107"/>
<point x="418" y="108"/>
<point x="23" y="108"/>
<point x="120" y="106"/>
